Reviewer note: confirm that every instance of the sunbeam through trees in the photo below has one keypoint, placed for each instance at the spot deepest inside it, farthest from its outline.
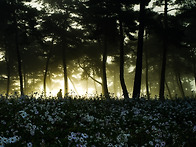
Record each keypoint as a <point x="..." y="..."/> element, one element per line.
<point x="97" y="73"/>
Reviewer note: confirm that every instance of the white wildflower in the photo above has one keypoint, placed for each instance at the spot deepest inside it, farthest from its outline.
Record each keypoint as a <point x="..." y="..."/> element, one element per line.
<point x="23" y="114"/>
<point x="29" y="144"/>
<point x="84" y="135"/>
<point x="194" y="128"/>
<point x="81" y="139"/>
<point x="151" y="143"/>
<point x="4" y="140"/>
<point x="1" y="144"/>
<point x="163" y="143"/>
<point x="69" y="138"/>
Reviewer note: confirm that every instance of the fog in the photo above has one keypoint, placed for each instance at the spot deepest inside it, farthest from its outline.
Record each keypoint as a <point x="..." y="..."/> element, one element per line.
<point x="87" y="48"/>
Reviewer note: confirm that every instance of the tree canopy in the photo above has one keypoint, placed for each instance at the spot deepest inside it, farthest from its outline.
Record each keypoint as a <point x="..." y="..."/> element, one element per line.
<point x="106" y="47"/>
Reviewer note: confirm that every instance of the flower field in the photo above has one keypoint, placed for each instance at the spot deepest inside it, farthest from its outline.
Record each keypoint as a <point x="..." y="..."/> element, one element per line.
<point x="28" y="121"/>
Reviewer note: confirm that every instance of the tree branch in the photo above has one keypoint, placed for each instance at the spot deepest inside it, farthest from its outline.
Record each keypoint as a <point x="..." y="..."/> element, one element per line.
<point x="89" y="74"/>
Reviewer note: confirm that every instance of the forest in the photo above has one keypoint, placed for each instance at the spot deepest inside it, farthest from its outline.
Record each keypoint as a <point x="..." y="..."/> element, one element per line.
<point x="126" y="69"/>
<point x="109" y="47"/>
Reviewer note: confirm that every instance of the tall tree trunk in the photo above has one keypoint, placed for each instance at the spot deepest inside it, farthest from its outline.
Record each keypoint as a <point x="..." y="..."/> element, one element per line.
<point x="25" y="81"/>
<point x="19" y="63"/>
<point x="46" y="67"/>
<point x="164" y="58"/>
<point x="169" y="92"/>
<point x="8" y="75"/>
<point x="18" y="54"/>
<point x="122" y="80"/>
<point x="104" y="76"/>
<point x="146" y="61"/>
<point x="114" y="84"/>
<point x="174" y="85"/>
<point x="45" y="74"/>
<point x="7" y="60"/>
<point x="178" y="78"/>
<point x="65" y="72"/>
<point x="147" y="86"/>
<point x="138" y="72"/>
<point x="49" y="80"/>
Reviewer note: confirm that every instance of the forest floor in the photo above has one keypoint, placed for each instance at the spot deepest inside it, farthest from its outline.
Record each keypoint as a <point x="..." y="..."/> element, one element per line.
<point x="28" y="121"/>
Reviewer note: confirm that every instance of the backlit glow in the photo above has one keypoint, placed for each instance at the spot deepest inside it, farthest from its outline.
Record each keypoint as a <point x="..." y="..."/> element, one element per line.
<point x="1" y="56"/>
<point x="74" y="90"/>
<point x="35" y="4"/>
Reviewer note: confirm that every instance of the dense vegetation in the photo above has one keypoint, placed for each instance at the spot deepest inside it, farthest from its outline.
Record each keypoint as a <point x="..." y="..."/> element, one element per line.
<point x="29" y="121"/>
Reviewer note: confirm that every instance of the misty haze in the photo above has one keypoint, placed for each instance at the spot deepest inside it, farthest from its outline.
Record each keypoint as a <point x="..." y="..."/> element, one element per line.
<point x="97" y="73"/>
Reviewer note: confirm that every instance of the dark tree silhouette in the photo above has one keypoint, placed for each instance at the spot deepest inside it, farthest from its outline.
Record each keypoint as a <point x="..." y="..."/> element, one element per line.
<point x="122" y="81"/>
<point x="92" y="31"/>
<point x="20" y="24"/>
<point x="48" y="57"/>
<point x="147" y="68"/>
<point x="100" y="18"/>
<point x="65" y="71"/>
<point x="17" y="50"/>
<point x="165" y="46"/>
<point x="138" y="72"/>
<point x="187" y="15"/>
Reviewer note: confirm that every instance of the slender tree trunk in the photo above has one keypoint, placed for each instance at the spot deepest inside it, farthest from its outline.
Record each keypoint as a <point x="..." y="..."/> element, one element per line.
<point x="65" y="72"/>
<point x="93" y="78"/>
<point x="49" y="79"/>
<point x="104" y="76"/>
<point x="19" y="64"/>
<point x="18" y="54"/>
<point x="47" y="65"/>
<point x="178" y="77"/>
<point x="27" y="86"/>
<point x="8" y="75"/>
<point x="169" y="92"/>
<point x="147" y="86"/>
<point x="25" y="81"/>
<point x="7" y="61"/>
<point x="19" y="61"/>
<point x="174" y="85"/>
<point x="138" y="72"/>
<point x="122" y="80"/>
<point x="146" y="61"/>
<point x="114" y="84"/>
<point x="45" y="74"/>
<point x="164" y="58"/>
